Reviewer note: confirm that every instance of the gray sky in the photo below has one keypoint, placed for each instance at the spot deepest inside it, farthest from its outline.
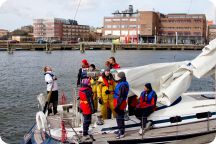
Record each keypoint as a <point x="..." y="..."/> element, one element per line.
<point x="15" y="13"/>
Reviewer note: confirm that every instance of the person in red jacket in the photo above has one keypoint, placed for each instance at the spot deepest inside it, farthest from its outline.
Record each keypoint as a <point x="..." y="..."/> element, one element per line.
<point x="146" y="105"/>
<point x="86" y="104"/>
<point x="113" y="64"/>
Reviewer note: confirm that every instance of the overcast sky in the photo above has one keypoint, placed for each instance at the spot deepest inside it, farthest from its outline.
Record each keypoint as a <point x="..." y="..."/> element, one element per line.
<point x="15" y="13"/>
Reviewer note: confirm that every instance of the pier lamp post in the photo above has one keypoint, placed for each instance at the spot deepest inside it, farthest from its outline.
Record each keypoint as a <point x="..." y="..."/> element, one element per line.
<point x="176" y="38"/>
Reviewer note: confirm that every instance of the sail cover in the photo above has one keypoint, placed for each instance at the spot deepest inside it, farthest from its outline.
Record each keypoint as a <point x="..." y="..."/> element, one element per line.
<point x="153" y="73"/>
<point x="170" y="80"/>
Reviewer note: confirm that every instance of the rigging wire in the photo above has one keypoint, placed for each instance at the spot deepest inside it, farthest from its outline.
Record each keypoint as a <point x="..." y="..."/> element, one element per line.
<point x="77" y="9"/>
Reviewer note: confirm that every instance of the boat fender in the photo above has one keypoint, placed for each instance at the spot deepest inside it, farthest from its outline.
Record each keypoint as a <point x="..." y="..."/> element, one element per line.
<point x="41" y="120"/>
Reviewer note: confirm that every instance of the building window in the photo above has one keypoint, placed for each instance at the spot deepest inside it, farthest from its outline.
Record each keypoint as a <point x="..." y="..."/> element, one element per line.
<point x="124" y="26"/>
<point x="116" y="33"/>
<point x="108" y="32"/>
<point x="116" y="26"/>
<point x="108" y="26"/>
<point x="124" y="19"/>
<point x="197" y="33"/>
<point x="124" y="32"/>
<point x="132" y="26"/>
<point x="108" y="20"/>
<point x="133" y="19"/>
<point x="116" y="20"/>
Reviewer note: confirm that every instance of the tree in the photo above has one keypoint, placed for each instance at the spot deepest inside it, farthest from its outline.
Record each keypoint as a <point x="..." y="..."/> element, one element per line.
<point x="19" y="32"/>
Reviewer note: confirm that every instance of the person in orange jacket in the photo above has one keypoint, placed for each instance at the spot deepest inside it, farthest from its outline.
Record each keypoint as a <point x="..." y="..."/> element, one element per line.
<point x="146" y="105"/>
<point x="86" y="104"/>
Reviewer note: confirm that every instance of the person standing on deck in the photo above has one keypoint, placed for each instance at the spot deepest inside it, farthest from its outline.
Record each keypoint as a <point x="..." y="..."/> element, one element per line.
<point x="52" y="87"/>
<point x="113" y="64"/>
<point x="86" y="104"/>
<point x="120" y="102"/>
<point x="82" y="74"/>
<point x="105" y="89"/>
<point x="146" y="105"/>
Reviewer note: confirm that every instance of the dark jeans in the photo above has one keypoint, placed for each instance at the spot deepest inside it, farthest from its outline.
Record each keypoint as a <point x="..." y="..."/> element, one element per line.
<point x="120" y="121"/>
<point x="86" y="123"/>
<point x="53" y="101"/>
<point x="142" y="114"/>
<point x="131" y="110"/>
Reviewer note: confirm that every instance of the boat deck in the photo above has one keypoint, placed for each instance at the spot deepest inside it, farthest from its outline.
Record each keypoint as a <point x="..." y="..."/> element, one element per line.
<point x="179" y="132"/>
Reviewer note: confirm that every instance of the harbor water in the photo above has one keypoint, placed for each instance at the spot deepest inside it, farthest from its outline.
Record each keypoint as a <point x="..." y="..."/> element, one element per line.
<point x="22" y="79"/>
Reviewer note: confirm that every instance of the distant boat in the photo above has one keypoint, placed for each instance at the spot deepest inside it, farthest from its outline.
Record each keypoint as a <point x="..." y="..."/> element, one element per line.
<point x="180" y="115"/>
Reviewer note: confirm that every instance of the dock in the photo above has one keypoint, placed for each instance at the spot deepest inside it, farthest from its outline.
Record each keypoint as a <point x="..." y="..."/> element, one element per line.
<point x="94" y="46"/>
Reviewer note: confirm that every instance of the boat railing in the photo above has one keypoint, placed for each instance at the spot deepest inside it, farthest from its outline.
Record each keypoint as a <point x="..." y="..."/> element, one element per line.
<point x="176" y="122"/>
<point x="176" y="130"/>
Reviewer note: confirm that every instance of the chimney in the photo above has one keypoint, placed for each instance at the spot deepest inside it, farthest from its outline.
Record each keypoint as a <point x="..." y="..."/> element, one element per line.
<point x="130" y="10"/>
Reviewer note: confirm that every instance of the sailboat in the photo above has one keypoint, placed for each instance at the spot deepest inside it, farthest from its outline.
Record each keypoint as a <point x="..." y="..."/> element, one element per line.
<point x="180" y="115"/>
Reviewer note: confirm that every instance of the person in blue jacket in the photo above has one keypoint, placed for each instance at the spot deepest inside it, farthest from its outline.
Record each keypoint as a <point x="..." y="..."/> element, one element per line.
<point x="120" y="102"/>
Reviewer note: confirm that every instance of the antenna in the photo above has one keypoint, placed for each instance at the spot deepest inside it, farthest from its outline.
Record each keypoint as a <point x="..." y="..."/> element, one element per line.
<point x="189" y="8"/>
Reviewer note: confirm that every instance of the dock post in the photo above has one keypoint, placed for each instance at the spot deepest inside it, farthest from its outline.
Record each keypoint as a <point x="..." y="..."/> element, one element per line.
<point x="9" y="48"/>
<point x="82" y="47"/>
<point x="113" y="48"/>
<point x="48" y="45"/>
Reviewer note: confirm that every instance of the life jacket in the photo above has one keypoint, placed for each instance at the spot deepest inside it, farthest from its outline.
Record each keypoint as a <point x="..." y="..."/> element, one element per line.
<point x="52" y="75"/>
<point x="107" y="82"/>
<point x="84" y="73"/>
<point x="86" y="100"/>
<point x="117" y="95"/>
<point x="116" y="66"/>
<point x="145" y="100"/>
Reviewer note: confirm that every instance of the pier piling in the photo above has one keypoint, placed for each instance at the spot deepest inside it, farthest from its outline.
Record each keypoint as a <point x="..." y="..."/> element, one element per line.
<point x="48" y="48"/>
<point x="82" y="47"/>
<point x="113" y="48"/>
<point x="9" y="48"/>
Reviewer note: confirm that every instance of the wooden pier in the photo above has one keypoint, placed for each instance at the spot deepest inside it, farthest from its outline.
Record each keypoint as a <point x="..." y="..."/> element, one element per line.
<point x="94" y="46"/>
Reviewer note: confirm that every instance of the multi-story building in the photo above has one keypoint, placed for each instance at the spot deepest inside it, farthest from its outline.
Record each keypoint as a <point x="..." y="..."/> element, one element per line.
<point x="74" y="32"/>
<point x="124" y="25"/>
<point x="3" y="32"/>
<point x="212" y="32"/>
<point x="182" y="28"/>
<point x="150" y="27"/>
<point x="59" y="29"/>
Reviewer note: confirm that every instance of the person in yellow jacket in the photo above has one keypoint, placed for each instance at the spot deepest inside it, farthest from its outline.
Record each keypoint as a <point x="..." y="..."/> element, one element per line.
<point x="105" y="91"/>
<point x="93" y="84"/>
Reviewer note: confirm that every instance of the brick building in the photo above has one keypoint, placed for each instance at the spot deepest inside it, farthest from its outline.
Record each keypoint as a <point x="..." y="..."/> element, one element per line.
<point x="212" y="32"/>
<point x="74" y="32"/>
<point x="59" y="29"/>
<point x="185" y="28"/>
<point x="124" y="25"/>
<point x="3" y="32"/>
<point x="152" y="27"/>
